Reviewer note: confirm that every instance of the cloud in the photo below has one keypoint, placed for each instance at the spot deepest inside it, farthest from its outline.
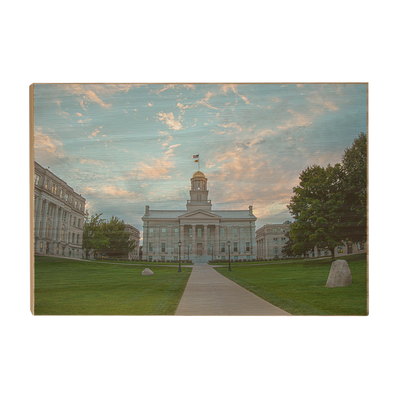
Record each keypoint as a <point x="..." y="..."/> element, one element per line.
<point x="205" y="102"/>
<point x="93" y="162"/>
<point x="171" y="149"/>
<point x="63" y="114"/>
<point x="79" y="114"/>
<point x="149" y="104"/>
<point x="170" y="120"/>
<point x="189" y="86"/>
<point x="298" y="120"/>
<point x="94" y="133"/>
<point x="156" y="169"/>
<point x="225" y="88"/>
<point x="112" y="190"/>
<point x="166" y="87"/>
<point x="43" y="145"/>
<point x="88" y="94"/>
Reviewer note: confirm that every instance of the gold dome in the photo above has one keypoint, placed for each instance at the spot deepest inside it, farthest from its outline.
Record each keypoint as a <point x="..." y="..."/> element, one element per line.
<point x="198" y="174"/>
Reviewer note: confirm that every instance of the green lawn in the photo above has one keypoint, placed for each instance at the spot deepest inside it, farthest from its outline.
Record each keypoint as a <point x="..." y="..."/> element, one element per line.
<point x="72" y="287"/>
<point x="299" y="286"/>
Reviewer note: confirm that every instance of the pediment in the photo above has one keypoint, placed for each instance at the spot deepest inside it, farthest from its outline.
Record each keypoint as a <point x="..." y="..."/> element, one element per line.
<point x="199" y="214"/>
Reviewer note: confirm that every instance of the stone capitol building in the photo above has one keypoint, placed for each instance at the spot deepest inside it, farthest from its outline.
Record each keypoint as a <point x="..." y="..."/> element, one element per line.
<point x="204" y="233"/>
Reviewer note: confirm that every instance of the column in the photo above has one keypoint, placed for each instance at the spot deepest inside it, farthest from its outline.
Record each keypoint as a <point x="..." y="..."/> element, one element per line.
<point x="242" y="242"/>
<point x="145" y="250"/>
<point x="43" y="230"/>
<point x="216" y="240"/>
<point x="182" y="240"/>
<point x="205" y="241"/>
<point x="55" y="221"/>
<point x="170" y="239"/>
<point x="194" y="250"/>
<point x="38" y="215"/>
<point x="156" y="250"/>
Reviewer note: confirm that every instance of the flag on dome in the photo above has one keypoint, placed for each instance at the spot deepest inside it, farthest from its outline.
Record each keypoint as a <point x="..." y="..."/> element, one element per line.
<point x="196" y="156"/>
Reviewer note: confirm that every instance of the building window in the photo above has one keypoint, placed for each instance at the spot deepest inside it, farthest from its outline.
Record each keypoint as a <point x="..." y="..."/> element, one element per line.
<point x="360" y="246"/>
<point x="282" y="230"/>
<point x="222" y="247"/>
<point x="175" y="258"/>
<point x="74" y="221"/>
<point x="61" y="193"/>
<point x="150" y="258"/>
<point x="73" y="237"/>
<point x="247" y="257"/>
<point x="163" y="247"/>
<point x="63" y="235"/>
<point x="275" y="240"/>
<point x="77" y="239"/>
<point x="52" y="188"/>
<point x="80" y="206"/>
<point x="223" y="258"/>
<point x="151" y="247"/>
<point x="247" y="231"/>
<point x="222" y="233"/>
<point x="190" y="232"/>
<point x="162" y="258"/>
<point x="55" y="189"/>
<point x="199" y="232"/>
<point x="275" y="251"/>
<point x="70" y="219"/>
<point x="41" y="246"/>
<point x="234" y="232"/>
<point x="235" y="247"/>
<point x="69" y="237"/>
<point x="57" y="250"/>
<point x="176" y="232"/>
<point x="163" y="232"/>
<point x="274" y="230"/>
<point x="340" y="249"/>
<point x="64" y="215"/>
<point x="47" y="184"/>
<point x="175" y="247"/>
<point x="76" y="204"/>
<point x="79" y="223"/>
<point x="283" y="240"/>
<point x="190" y="247"/>
<point x="151" y="232"/>
<point x="235" y="258"/>
<point x="37" y="179"/>
<point x="66" y="197"/>
<point x="247" y="246"/>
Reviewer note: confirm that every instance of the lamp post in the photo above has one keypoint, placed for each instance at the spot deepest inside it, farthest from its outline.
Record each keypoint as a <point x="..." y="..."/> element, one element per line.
<point x="179" y="245"/>
<point x="229" y="254"/>
<point x="188" y="253"/>
<point x="212" y="253"/>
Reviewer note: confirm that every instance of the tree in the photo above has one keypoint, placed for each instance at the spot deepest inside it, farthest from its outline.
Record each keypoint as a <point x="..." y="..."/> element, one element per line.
<point x="287" y="248"/>
<point x="94" y="238"/>
<point x="317" y="207"/>
<point x="119" y="243"/>
<point x="355" y="190"/>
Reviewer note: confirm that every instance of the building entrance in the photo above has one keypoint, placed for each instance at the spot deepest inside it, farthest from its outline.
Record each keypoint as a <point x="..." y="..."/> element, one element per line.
<point x="199" y="249"/>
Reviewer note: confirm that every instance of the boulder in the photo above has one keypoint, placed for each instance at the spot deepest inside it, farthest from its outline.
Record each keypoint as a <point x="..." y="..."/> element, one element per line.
<point x="340" y="274"/>
<point x="147" y="271"/>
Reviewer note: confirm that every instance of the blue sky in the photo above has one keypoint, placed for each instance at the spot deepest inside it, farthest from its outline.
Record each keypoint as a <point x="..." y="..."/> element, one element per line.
<point x="124" y="146"/>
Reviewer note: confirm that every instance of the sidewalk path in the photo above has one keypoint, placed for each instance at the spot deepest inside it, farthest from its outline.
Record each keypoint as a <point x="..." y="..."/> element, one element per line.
<point x="210" y="293"/>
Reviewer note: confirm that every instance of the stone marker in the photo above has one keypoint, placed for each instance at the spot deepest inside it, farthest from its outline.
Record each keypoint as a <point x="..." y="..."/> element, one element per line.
<point x="340" y="274"/>
<point x="147" y="271"/>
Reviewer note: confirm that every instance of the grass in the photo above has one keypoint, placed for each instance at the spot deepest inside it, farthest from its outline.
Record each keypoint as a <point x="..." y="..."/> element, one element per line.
<point x="72" y="287"/>
<point x="298" y="287"/>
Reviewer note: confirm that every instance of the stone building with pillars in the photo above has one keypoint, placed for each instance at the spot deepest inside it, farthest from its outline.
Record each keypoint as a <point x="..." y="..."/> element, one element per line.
<point x="204" y="233"/>
<point x="58" y="216"/>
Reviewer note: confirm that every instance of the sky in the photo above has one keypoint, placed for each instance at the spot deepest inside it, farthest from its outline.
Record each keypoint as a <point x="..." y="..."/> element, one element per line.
<point x="125" y="146"/>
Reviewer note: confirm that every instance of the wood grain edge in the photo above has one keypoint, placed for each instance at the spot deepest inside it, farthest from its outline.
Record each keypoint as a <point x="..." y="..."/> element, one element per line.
<point x="31" y="195"/>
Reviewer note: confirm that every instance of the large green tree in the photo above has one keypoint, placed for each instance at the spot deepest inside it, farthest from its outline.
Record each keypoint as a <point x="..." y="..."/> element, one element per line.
<point x="119" y="243"/>
<point x="94" y="240"/>
<point x="355" y="190"/>
<point x="317" y="208"/>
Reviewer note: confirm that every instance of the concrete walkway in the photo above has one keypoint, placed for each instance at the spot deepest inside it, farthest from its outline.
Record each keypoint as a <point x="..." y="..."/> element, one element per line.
<point x="210" y="293"/>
